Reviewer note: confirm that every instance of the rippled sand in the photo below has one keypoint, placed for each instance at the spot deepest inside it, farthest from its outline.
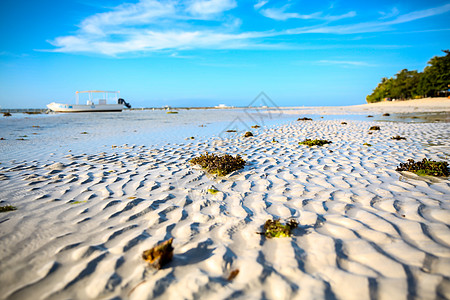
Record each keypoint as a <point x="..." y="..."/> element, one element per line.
<point x="366" y="231"/>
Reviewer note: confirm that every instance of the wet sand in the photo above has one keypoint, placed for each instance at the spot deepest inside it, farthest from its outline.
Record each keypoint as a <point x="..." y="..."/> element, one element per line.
<point x="84" y="218"/>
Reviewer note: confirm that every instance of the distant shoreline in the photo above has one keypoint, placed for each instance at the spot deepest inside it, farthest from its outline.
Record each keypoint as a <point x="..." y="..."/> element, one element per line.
<point x="423" y="102"/>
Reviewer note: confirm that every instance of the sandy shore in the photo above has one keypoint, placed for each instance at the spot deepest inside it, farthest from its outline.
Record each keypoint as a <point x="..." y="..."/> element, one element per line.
<point x="366" y="231"/>
<point x="426" y="105"/>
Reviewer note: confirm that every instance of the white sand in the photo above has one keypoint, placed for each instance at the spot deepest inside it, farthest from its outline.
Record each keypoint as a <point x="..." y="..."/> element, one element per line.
<point x="367" y="232"/>
<point x="400" y="107"/>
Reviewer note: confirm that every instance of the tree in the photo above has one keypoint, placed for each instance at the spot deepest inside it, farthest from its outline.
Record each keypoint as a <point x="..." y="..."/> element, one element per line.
<point x="433" y="81"/>
<point x="436" y="76"/>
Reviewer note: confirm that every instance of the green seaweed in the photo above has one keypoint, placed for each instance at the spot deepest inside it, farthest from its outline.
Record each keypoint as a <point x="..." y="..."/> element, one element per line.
<point x="7" y="208"/>
<point x="84" y="132"/>
<point x="274" y="228"/>
<point x="171" y="112"/>
<point x="78" y="202"/>
<point x="212" y="191"/>
<point x="310" y="143"/>
<point x="159" y="255"/>
<point x="220" y="165"/>
<point x="425" y="167"/>
<point x="398" y="138"/>
<point x="304" y="119"/>
<point x="248" y="134"/>
<point x="374" y="128"/>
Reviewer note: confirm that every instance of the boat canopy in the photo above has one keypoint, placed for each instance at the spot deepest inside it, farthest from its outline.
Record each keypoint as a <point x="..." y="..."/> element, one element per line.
<point x="95" y="91"/>
<point x="79" y="92"/>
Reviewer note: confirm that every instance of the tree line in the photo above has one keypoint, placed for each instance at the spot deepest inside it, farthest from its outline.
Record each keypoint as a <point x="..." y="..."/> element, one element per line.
<point x="434" y="81"/>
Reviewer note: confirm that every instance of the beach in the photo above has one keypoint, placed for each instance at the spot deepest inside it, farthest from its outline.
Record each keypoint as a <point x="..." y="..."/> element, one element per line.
<point x="89" y="204"/>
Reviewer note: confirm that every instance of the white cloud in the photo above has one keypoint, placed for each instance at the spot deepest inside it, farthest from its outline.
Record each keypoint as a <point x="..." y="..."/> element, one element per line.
<point x="260" y="4"/>
<point x="281" y="14"/>
<point x="394" y="12"/>
<point x="143" y="12"/>
<point x="170" y="25"/>
<point x="344" y="63"/>
<point x="210" y="7"/>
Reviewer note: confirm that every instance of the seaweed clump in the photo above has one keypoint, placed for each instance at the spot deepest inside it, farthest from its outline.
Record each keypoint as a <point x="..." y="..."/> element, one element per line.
<point x="159" y="255"/>
<point x="213" y="191"/>
<point x="7" y="208"/>
<point x="7" y="114"/>
<point x="304" y="119"/>
<point x="374" y="128"/>
<point x="386" y="115"/>
<point x="248" y="134"/>
<point x="256" y="126"/>
<point x="233" y="274"/>
<point x="398" y="138"/>
<point x="310" y="143"/>
<point x="221" y="165"/>
<point x="425" y="167"/>
<point x="274" y="228"/>
<point x="367" y="144"/>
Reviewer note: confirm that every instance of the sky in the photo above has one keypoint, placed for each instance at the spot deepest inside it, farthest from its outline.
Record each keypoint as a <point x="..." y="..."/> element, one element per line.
<point x="210" y="52"/>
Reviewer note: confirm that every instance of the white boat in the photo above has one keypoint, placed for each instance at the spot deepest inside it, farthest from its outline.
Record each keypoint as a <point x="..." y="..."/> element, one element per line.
<point x="93" y="104"/>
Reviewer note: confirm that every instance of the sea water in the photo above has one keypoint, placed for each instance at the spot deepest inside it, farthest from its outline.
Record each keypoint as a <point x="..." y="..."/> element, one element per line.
<point x="30" y="135"/>
<point x="26" y="136"/>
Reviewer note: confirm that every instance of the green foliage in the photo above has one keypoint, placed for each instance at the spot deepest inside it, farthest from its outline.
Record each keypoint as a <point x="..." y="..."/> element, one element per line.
<point x="7" y="208"/>
<point x="412" y="84"/>
<point x="310" y="143"/>
<point x="221" y="165"/>
<point x="274" y="228"/>
<point x="425" y="167"/>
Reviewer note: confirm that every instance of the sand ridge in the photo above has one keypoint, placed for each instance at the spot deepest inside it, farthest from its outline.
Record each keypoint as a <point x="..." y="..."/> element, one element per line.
<point x="366" y="231"/>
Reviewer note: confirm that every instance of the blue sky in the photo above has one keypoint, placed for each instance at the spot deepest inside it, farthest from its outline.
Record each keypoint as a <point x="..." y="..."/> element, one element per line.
<point x="207" y="52"/>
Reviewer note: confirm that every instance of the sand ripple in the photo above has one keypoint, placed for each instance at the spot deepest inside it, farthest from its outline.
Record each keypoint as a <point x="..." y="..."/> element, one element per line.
<point x="366" y="231"/>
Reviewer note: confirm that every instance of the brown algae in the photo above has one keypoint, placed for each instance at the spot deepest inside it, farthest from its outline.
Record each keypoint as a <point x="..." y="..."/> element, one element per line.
<point x="159" y="255"/>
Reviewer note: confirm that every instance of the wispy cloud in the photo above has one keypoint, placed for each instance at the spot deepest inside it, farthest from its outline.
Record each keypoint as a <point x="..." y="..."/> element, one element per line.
<point x="260" y="4"/>
<point x="386" y="15"/>
<point x="156" y="25"/>
<point x="344" y="63"/>
<point x="281" y="14"/>
<point x="210" y="7"/>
